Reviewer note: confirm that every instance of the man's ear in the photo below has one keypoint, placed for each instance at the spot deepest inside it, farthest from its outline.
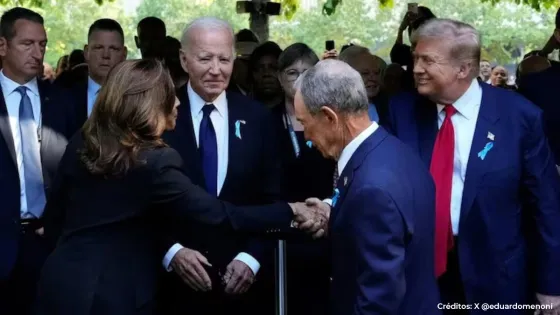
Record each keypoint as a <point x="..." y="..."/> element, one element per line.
<point x="137" y="42"/>
<point x="125" y="53"/>
<point x="330" y="115"/>
<point x="86" y="53"/>
<point x="3" y="46"/>
<point x="183" y="59"/>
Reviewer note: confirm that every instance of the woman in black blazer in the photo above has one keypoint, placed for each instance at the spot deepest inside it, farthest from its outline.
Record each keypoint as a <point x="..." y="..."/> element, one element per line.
<point x="118" y="185"/>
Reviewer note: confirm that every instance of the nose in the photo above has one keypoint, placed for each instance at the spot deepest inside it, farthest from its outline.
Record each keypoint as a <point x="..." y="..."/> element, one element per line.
<point x="417" y="68"/>
<point x="38" y="51"/>
<point x="215" y="68"/>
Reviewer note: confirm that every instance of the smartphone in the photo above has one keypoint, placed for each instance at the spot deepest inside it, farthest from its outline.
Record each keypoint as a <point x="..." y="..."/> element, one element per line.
<point x="329" y="45"/>
<point x="413" y="7"/>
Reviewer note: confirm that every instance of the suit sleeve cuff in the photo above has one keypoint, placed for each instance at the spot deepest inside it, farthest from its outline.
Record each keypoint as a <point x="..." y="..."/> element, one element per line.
<point x="249" y="261"/>
<point x="169" y="256"/>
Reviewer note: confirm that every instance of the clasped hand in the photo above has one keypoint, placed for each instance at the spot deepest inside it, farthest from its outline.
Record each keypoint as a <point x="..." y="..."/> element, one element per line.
<point x="312" y="216"/>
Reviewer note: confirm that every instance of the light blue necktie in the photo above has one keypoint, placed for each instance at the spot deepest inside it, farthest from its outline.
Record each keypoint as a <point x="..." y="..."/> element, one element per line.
<point x="34" y="188"/>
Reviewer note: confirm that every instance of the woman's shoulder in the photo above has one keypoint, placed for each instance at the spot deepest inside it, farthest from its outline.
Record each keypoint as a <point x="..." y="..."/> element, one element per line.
<point x="161" y="157"/>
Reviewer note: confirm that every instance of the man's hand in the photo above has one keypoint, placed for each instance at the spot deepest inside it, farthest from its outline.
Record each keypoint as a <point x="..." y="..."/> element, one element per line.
<point x="330" y="54"/>
<point x="548" y="301"/>
<point x="187" y="263"/>
<point x="238" y="278"/>
<point x="312" y="216"/>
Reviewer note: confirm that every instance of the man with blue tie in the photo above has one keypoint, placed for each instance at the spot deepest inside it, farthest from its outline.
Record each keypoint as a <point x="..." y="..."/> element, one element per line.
<point x="104" y="50"/>
<point x="35" y="124"/>
<point x="227" y="143"/>
<point x="382" y="221"/>
<point x="497" y="189"/>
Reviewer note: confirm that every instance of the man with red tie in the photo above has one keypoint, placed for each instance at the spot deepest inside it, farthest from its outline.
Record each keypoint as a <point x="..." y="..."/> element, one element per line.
<point x="497" y="189"/>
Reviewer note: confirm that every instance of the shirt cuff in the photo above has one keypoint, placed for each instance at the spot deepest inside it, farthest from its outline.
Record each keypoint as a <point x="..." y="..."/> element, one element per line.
<point x="249" y="261"/>
<point x="328" y="201"/>
<point x="169" y="256"/>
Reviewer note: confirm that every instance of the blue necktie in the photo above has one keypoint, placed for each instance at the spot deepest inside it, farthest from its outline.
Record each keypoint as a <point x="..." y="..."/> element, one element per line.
<point x="209" y="150"/>
<point x="34" y="188"/>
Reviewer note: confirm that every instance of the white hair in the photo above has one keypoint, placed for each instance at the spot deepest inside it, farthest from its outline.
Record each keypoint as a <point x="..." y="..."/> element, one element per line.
<point x="464" y="40"/>
<point x="206" y="23"/>
<point x="334" y="84"/>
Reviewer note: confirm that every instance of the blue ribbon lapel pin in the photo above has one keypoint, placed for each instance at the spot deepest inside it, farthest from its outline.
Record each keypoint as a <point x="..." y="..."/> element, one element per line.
<point x="335" y="197"/>
<point x="482" y="154"/>
<point x="238" y="128"/>
<point x="309" y="144"/>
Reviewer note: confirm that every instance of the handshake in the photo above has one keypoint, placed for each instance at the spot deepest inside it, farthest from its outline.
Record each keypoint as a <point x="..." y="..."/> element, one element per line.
<point x="311" y="216"/>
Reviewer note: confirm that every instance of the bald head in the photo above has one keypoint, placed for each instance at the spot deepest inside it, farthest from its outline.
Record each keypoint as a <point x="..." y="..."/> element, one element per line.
<point x="334" y="84"/>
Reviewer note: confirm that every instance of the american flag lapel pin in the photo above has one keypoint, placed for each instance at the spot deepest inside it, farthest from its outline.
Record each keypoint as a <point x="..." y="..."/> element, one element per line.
<point x="490" y="136"/>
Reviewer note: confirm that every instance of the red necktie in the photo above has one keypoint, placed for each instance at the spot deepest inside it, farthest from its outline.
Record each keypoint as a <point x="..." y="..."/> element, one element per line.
<point x="441" y="169"/>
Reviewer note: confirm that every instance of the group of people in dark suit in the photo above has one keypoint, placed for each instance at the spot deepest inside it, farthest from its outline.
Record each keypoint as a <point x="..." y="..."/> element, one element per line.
<point x="128" y="194"/>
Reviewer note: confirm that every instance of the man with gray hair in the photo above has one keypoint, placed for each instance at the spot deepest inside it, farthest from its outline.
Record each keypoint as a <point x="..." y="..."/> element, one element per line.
<point x="228" y="145"/>
<point x="497" y="189"/>
<point x="382" y="219"/>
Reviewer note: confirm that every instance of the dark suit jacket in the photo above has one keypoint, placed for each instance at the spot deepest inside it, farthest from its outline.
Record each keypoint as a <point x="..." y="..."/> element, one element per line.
<point x="108" y="255"/>
<point x="80" y="101"/>
<point x="541" y="89"/>
<point x="516" y="184"/>
<point x="253" y="175"/>
<point x="382" y="233"/>
<point x="57" y="127"/>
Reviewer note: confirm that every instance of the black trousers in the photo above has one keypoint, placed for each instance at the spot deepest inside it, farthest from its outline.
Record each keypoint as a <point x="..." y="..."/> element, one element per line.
<point x="18" y="292"/>
<point x="450" y="284"/>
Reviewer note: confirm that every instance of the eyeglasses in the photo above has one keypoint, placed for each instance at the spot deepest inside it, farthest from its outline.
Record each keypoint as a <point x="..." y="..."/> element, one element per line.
<point x="292" y="74"/>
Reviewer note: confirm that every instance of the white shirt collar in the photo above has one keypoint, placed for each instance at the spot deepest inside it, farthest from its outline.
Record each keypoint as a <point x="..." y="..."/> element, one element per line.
<point x="354" y="145"/>
<point x="464" y="105"/>
<point x="196" y="102"/>
<point x="9" y="86"/>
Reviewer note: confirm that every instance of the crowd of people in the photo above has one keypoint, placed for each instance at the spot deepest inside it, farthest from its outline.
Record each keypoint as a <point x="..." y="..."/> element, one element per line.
<point x="428" y="185"/>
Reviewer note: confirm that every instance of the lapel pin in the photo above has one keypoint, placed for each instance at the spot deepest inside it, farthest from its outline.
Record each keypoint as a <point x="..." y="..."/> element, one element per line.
<point x="309" y="144"/>
<point x="487" y="148"/>
<point x="490" y="136"/>
<point x="238" y="128"/>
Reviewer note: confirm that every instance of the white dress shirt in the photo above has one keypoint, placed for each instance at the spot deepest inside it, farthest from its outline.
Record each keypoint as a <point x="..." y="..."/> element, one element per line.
<point x="219" y="118"/>
<point x="464" y="124"/>
<point x="13" y="99"/>
<point x="92" y="91"/>
<point x="350" y="149"/>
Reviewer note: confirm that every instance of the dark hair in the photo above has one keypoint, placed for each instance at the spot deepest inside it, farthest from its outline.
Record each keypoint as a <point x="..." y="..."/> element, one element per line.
<point x="152" y="22"/>
<point x="294" y="53"/>
<point x="558" y="19"/>
<point x="9" y="18"/>
<point x="426" y="12"/>
<point x="107" y="25"/>
<point x="171" y="57"/>
<point x="126" y="116"/>
<point x="76" y="57"/>
<point x="246" y="35"/>
<point x="265" y="49"/>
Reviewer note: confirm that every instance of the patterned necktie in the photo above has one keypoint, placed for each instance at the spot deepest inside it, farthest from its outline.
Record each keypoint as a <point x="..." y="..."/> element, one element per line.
<point x="34" y="188"/>
<point x="209" y="150"/>
<point x="441" y="169"/>
<point x="335" y="176"/>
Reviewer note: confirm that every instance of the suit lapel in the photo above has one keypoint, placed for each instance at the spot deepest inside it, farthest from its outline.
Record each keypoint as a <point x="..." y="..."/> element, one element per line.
<point x="186" y="140"/>
<point x="45" y="121"/>
<point x="427" y="124"/>
<point x="346" y="179"/>
<point x="5" y="131"/>
<point x="487" y="118"/>
<point x="82" y="103"/>
<point x="236" y="145"/>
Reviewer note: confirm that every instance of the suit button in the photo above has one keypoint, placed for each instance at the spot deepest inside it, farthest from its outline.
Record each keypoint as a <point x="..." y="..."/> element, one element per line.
<point x="331" y="279"/>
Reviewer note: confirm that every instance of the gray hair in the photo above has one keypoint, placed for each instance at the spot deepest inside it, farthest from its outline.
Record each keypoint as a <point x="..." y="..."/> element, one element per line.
<point x="206" y="23"/>
<point x="334" y="84"/>
<point x="464" y="40"/>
